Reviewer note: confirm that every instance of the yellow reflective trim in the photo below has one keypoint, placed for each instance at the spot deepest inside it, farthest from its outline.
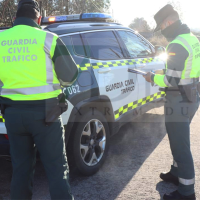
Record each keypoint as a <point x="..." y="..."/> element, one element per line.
<point x="1" y="117"/>
<point x="115" y="63"/>
<point x="121" y="109"/>
<point x="148" y="97"/>
<point x="95" y="67"/>
<point x="117" y="116"/>
<point x="83" y="68"/>
<point x="134" y="106"/>
<point x="125" y="110"/>
<point x="130" y="104"/>
<point x="140" y="101"/>
<point x="144" y="102"/>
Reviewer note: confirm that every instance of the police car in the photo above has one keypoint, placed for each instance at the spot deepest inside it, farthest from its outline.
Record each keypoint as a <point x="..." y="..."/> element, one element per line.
<point x="105" y="95"/>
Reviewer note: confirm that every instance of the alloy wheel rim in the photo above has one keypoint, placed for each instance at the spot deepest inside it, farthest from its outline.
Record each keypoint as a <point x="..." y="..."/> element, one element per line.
<point x="92" y="142"/>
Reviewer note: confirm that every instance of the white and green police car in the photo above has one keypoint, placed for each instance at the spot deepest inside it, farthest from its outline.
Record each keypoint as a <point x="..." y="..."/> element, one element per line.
<point x="105" y="95"/>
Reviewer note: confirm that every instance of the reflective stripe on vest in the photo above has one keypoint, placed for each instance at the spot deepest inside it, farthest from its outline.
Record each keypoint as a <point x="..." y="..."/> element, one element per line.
<point x="192" y="69"/>
<point x="32" y="90"/>
<point x="174" y="73"/>
<point x="190" y="58"/>
<point x="47" y="49"/>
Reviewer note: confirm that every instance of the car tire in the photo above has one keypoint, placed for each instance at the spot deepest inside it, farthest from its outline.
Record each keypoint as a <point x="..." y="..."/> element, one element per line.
<point x="88" y="151"/>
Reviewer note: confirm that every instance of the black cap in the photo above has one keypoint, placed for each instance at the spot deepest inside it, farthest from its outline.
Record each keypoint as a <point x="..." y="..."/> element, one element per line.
<point x="32" y="3"/>
<point x="162" y="14"/>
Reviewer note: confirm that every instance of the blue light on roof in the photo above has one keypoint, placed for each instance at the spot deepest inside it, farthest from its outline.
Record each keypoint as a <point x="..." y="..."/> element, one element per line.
<point x="61" y="18"/>
<point x="95" y="16"/>
<point x="75" y="17"/>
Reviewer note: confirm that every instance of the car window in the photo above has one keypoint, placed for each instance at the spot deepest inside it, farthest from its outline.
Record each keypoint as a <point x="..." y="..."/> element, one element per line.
<point x="78" y="45"/>
<point x="68" y="43"/>
<point x="136" y="46"/>
<point x="103" y="45"/>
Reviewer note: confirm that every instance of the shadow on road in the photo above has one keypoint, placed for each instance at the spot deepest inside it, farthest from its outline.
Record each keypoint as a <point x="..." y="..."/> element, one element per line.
<point x="129" y="149"/>
<point x="163" y="188"/>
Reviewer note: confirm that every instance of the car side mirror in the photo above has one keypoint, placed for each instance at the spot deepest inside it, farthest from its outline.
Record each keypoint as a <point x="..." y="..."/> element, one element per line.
<point x="159" y="50"/>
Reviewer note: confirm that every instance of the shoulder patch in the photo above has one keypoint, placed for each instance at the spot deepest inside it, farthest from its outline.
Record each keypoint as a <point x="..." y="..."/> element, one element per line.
<point x="171" y="54"/>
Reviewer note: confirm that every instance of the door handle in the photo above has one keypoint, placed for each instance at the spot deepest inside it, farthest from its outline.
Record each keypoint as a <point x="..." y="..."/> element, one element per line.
<point x="140" y="66"/>
<point x="105" y="70"/>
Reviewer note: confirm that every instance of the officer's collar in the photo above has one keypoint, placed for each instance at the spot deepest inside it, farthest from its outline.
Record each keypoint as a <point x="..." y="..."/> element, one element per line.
<point x="26" y="21"/>
<point x="177" y="28"/>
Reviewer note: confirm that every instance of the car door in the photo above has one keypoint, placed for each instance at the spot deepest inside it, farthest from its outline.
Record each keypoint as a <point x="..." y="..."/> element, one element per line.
<point x="142" y="54"/>
<point x="111" y="70"/>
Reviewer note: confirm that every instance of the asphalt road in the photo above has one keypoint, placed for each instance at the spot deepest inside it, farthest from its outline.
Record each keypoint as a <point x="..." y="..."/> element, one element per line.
<point x="137" y="155"/>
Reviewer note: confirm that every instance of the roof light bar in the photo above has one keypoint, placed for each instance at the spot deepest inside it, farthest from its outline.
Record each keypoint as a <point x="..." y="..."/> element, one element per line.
<point x="95" y="16"/>
<point x="52" y="19"/>
<point x="76" y="17"/>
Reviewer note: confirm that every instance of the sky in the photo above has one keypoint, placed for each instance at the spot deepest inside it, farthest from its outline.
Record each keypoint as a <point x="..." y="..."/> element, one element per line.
<point x="126" y="10"/>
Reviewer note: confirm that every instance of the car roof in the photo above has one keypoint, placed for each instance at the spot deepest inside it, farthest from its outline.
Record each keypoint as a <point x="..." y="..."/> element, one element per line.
<point x="73" y="27"/>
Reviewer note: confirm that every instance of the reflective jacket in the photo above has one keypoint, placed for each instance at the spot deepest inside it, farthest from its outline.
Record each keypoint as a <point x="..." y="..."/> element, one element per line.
<point x="191" y="69"/>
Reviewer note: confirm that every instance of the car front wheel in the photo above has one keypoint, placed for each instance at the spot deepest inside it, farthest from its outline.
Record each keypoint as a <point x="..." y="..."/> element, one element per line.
<point x="90" y="142"/>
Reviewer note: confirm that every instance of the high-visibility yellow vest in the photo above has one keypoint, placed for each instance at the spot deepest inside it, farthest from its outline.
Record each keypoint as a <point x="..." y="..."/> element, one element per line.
<point x="192" y="64"/>
<point x="26" y="67"/>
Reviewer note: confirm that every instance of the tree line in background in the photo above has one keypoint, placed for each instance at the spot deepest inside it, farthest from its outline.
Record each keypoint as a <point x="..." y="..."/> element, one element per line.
<point x="8" y="8"/>
<point x="141" y="25"/>
<point x="145" y="29"/>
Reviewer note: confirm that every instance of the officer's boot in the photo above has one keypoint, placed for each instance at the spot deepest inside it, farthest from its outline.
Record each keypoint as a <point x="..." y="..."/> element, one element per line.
<point x="168" y="177"/>
<point x="177" y="196"/>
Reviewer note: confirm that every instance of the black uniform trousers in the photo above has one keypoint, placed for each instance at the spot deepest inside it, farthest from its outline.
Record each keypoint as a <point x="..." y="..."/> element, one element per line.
<point x="27" y="131"/>
<point x="178" y="116"/>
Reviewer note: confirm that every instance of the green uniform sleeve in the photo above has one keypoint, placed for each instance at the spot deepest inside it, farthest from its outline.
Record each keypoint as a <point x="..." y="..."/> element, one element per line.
<point x="65" y="66"/>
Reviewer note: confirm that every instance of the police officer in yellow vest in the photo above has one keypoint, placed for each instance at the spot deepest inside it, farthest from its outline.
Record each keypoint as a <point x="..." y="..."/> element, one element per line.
<point x="180" y="79"/>
<point x="33" y="64"/>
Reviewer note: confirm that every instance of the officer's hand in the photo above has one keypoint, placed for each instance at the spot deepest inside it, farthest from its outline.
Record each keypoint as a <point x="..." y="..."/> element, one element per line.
<point x="148" y="77"/>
